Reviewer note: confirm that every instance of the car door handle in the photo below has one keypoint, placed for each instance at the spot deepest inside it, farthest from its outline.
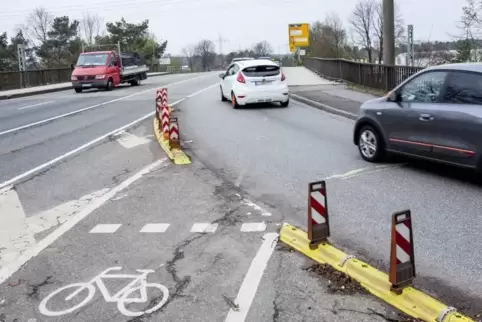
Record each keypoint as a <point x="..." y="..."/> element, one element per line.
<point x="425" y="117"/>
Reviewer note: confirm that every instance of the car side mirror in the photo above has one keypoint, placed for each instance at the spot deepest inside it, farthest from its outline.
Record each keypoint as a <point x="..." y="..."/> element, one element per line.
<point x="393" y="96"/>
<point x="221" y="75"/>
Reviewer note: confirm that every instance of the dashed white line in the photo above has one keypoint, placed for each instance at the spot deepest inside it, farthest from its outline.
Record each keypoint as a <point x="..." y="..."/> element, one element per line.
<point x="253" y="227"/>
<point x="252" y="279"/>
<point x="12" y="267"/>
<point x="35" y="105"/>
<point x="105" y="229"/>
<point x="204" y="228"/>
<point x="154" y="228"/>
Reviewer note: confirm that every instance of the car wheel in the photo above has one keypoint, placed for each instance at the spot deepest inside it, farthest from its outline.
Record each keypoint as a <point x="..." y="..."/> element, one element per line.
<point x="223" y="99"/>
<point x="370" y="144"/>
<point x="285" y="104"/>
<point x="110" y="85"/>
<point x="78" y="90"/>
<point x="234" y="102"/>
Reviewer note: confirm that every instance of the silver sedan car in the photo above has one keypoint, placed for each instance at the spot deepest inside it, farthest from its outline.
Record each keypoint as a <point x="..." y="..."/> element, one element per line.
<point x="436" y="115"/>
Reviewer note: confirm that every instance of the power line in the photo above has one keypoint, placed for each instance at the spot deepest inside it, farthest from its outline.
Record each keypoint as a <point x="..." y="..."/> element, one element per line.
<point x="125" y="4"/>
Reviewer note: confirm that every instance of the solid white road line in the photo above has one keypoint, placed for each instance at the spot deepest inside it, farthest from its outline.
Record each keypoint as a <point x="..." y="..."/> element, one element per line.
<point x="34" y="105"/>
<point x="17" y="232"/>
<point x="82" y="147"/>
<point x="92" y="107"/>
<point x="248" y="289"/>
<point x="12" y="267"/>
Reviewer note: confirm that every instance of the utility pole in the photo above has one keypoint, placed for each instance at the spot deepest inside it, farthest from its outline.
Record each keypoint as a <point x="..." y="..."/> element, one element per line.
<point x="388" y="32"/>
<point x="221" y="41"/>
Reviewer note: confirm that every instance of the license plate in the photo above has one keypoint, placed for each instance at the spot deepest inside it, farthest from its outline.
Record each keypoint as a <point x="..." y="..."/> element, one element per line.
<point x="86" y="85"/>
<point x="267" y="100"/>
<point x="262" y="83"/>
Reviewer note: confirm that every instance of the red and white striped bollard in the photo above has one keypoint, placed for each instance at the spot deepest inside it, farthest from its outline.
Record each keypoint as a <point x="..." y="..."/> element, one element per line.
<point x="318" y="221"/>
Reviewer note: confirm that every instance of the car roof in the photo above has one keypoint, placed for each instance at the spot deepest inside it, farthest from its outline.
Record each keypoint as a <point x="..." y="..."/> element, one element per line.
<point x="256" y="62"/>
<point x="242" y="58"/>
<point x="471" y="67"/>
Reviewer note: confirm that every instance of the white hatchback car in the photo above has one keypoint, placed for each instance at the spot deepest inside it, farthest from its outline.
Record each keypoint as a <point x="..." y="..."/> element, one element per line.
<point x="254" y="82"/>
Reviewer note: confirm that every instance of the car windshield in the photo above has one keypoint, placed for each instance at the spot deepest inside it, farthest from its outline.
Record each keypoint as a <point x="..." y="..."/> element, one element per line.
<point x="261" y="71"/>
<point x="86" y="60"/>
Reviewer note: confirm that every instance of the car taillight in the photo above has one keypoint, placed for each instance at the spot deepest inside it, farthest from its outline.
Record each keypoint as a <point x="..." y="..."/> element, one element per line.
<point x="283" y="77"/>
<point x="240" y="78"/>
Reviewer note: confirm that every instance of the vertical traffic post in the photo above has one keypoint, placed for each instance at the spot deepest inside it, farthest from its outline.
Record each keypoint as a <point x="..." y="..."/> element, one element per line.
<point x="165" y="117"/>
<point x="161" y="99"/>
<point x="174" y="141"/>
<point x="402" y="257"/>
<point x="318" y="222"/>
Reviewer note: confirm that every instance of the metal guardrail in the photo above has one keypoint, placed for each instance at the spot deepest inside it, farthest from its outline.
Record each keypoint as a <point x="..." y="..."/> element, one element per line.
<point x="14" y="80"/>
<point x="382" y="77"/>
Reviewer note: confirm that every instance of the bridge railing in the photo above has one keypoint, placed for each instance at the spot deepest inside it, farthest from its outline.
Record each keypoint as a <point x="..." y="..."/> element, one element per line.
<point x="13" y="80"/>
<point x="381" y="77"/>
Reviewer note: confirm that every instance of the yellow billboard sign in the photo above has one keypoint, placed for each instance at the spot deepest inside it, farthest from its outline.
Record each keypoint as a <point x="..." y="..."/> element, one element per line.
<point x="299" y="35"/>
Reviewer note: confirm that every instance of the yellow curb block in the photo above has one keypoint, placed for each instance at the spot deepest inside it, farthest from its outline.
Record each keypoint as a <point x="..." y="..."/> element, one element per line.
<point x="411" y="302"/>
<point x="176" y="155"/>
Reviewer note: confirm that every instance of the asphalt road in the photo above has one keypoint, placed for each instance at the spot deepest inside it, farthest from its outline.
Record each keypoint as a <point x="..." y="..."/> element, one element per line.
<point x="265" y="154"/>
<point x="120" y="203"/>
<point x="272" y="153"/>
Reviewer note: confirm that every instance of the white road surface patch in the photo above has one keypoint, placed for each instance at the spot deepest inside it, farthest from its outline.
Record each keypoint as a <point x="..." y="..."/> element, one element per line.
<point x="129" y="140"/>
<point x="17" y="232"/>
<point x="253" y="227"/>
<point x="252" y="279"/>
<point x="81" y="148"/>
<point x="251" y="204"/>
<point x="105" y="228"/>
<point x="26" y="126"/>
<point x="12" y="267"/>
<point x="154" y="228"/>
<point x="363" y="171"/>
<point x="204" y="228"/>
<point x="35" y="105"/>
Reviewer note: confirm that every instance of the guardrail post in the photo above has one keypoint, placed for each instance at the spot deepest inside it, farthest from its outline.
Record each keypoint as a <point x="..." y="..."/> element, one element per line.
<point x="402" y="257"/>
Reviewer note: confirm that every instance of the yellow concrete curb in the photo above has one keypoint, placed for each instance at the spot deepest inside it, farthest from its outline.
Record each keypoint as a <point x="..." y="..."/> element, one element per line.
<point x="411" y="302"/>
<point x="176" y="155"/>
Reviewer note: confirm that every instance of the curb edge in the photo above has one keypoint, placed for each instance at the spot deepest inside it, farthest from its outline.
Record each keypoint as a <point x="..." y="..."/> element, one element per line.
<point x="412" y="302"/>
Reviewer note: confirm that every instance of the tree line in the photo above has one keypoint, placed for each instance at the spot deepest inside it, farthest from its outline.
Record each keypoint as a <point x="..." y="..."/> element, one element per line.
<point x="55" y="42"/>
<point x="362" y="38"/>
<point x="203" y="56"/>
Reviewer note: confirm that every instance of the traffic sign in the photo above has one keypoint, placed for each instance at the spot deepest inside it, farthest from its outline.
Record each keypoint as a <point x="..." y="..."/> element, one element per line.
<point x="298" y="35"/>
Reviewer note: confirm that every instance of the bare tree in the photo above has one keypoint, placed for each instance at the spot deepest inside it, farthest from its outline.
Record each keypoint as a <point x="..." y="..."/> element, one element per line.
<point x="378" y="28"/>
<point x="91" y="26"/>
<point x="37" y="26"/>
<point x="362" y="23"/>
<point x="335" y="34"/>
<point x="206" y="50"/>
<point x="190" y="52"/>
<point x="263" y="48"/>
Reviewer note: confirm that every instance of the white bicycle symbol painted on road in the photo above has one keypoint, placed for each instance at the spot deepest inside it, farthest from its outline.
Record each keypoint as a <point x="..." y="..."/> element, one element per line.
<point x="138" y="283"/>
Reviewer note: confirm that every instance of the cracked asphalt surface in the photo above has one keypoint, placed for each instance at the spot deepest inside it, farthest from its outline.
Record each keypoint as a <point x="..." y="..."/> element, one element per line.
<point x="250" y="166"/>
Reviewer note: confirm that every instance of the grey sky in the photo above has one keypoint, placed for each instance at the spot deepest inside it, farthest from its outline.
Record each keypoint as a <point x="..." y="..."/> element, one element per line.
<point x="242" y="23"/>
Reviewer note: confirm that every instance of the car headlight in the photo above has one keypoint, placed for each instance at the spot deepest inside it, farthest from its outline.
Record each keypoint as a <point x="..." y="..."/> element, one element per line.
<point x="73" y="78"/>
<point x="100" y="77"/>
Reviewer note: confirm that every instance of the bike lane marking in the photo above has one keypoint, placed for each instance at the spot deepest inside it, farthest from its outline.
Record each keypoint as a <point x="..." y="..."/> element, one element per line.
<point x="12" y="267"/>
<point x="138" y="283"/>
